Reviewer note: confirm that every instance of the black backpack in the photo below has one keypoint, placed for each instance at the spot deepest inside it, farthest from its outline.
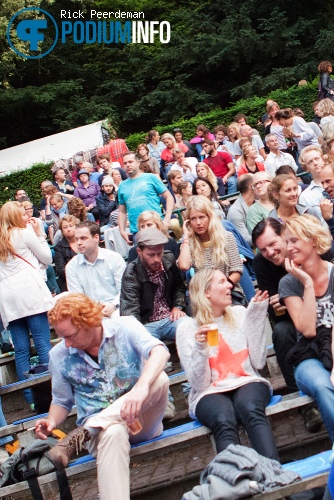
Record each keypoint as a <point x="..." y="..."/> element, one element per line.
<point x="26" y="464"/>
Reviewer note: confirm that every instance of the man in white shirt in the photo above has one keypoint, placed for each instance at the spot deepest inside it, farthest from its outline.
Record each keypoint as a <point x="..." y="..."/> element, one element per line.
<point x="95" y="271"/>
<point x="277" y="158"/>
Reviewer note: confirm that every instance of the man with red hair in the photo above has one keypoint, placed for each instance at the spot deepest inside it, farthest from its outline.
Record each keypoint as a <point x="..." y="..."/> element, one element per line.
<point x="121" y="399"/>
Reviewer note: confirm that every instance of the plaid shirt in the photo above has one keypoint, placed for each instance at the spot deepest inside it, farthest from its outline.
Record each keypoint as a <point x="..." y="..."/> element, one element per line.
<point x="115" y="148"/>
<point x="160" y="309"/>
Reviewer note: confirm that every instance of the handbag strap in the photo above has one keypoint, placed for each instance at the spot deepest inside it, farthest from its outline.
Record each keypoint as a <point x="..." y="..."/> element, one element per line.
<point x="22" y="258"/>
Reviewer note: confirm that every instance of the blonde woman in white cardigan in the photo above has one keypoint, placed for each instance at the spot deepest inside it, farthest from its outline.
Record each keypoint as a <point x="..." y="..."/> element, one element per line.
<point x="24" y="296"/>
<point x="226" y="389"/>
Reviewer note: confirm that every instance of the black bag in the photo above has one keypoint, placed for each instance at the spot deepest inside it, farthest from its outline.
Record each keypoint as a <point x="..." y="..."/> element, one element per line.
<point x="26" y="464"/>
<point x="41" y="393"/>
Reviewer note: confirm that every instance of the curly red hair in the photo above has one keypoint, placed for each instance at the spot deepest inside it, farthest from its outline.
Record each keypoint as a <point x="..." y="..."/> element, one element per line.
<point x="83" y="311"/>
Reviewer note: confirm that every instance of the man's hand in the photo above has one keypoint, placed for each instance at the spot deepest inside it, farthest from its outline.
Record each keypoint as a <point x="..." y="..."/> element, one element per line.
<point x="44" y="427"/>
<point x="126" y="237"/>
<point x="166" y="222"/>
<point x="225" y="179"/>
<point x="108" y="309"/>
<point x="326" y="207"/>
<point x="176" y="314"/>
<point x="130" y="410"/>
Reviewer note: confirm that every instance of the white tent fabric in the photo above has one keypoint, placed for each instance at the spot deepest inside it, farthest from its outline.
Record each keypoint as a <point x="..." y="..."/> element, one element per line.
<point x="51" y="148"/>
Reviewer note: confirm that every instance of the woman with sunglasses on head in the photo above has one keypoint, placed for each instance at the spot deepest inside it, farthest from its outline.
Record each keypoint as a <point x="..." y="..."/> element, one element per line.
<point x="222" y="366"/>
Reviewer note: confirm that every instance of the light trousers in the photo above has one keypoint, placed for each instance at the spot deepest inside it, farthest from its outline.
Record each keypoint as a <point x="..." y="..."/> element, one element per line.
<point x="111" y="440"/>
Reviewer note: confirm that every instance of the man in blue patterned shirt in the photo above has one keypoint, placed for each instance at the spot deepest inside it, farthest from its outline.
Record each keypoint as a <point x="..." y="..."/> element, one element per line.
<point x="113" y="371"/>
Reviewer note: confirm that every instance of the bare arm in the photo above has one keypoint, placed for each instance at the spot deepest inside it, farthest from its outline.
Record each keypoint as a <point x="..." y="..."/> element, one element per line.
<point x="263" y="153"/>
<point x="303" y="311"/>
<point x="231" y="172"/>
<point x="154" y="366"/>
<point x="122" y="223"/>
<point x="169" y="207"/>
<point x="184" y="260"/>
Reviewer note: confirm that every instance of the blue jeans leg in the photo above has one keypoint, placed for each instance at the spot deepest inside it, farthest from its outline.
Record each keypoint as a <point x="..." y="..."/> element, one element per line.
<point x="232" y="184"/>
<point x="39" y="326"/>
<point x="313" y="379"/>
<point x="3" y="423"/>
<point x="163" y="329"/>
<point x="247" y="284"/>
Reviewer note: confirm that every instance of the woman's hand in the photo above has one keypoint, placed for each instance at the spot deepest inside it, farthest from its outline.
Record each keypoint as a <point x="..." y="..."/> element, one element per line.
<point x="261" y="296"/>
<point x="35" y="225"/>
<point x="201" y="333"/>
<point x="297" y="272"/>
<point x="47" y="199"/>
<point x="185" y="228"/>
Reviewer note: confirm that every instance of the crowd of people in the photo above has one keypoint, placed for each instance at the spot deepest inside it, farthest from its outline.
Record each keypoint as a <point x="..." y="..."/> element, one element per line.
<point x="193" y="262"/>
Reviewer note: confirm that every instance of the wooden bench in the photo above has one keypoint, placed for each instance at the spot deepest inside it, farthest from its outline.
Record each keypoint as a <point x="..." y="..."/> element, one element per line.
<point x="313" y="470"/>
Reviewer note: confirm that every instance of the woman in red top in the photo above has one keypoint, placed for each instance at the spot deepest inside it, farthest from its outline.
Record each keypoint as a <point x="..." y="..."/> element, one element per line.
<point x="250" y="165"/>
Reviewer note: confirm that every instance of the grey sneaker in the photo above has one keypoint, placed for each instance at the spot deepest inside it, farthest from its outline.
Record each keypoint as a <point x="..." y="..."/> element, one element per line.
<point x="312" y="419"/>
<point x="170" y="411"/>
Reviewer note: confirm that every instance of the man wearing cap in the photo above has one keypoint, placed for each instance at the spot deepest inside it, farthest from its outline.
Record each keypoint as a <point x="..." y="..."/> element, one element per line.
<point x="106" y="202"/>
<point x="152" y="287"/>
<point x="87" y="190"/>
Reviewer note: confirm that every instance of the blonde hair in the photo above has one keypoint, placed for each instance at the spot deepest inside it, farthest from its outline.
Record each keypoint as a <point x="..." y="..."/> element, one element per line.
<point x="151" y="215"/>
<point x="307" y="228"/>
<point x="306" y="150"/>
<point x="237" y="128"/>
<point x="200" y="304"/>
<point x="10" y="217"/>
<point x="326" y="107"/>
<point x="26" y="204"/>
<point x="82" y="311"/>
<point x="211" y="176"/>
<point x="68" y="218"/>
<point x="217" y="233"/>
<point x="245" y="151"/>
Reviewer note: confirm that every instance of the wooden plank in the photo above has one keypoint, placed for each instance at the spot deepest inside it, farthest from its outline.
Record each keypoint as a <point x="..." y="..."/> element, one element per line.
<point x="305" y="484"/>
<point x="24" y="384"/>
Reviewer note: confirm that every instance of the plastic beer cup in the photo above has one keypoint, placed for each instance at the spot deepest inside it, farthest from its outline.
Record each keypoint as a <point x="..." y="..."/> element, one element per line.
<point x="212" y="335"/>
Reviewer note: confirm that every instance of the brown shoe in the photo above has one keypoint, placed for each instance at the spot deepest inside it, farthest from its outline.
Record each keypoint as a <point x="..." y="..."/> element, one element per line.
<point x="61" y="454"/>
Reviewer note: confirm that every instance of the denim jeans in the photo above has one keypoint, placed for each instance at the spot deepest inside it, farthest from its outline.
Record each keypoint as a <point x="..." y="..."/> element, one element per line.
<point x="232" y="184"/>
<point x="222" y="413"/>
<point x="313" y="379"/>
<point x="247" y="284"/>
<point x="19" y="328"/>
<point x="284" y="338"/>
<point x="164" y="329"/>
<point x="6" y="439"/>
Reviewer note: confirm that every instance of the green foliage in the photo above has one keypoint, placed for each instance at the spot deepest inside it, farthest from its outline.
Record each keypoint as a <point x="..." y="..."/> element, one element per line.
<point x="29" y="180"/>
<point x="253" y="108"/>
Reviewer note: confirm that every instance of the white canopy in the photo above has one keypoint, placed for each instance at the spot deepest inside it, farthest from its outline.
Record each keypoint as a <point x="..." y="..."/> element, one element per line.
<point x="51" y="148"/>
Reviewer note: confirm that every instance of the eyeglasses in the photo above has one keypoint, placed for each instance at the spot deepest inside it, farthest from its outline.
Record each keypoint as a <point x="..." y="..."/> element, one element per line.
<point x="27" y="209"/>
<point x="260" y="183"/>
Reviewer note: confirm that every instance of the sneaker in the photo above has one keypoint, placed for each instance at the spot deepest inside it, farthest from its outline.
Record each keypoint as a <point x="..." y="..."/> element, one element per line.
<point x="170" y="411"/>
<point x="312" y="419"/>
<point x="169" y="367"/>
